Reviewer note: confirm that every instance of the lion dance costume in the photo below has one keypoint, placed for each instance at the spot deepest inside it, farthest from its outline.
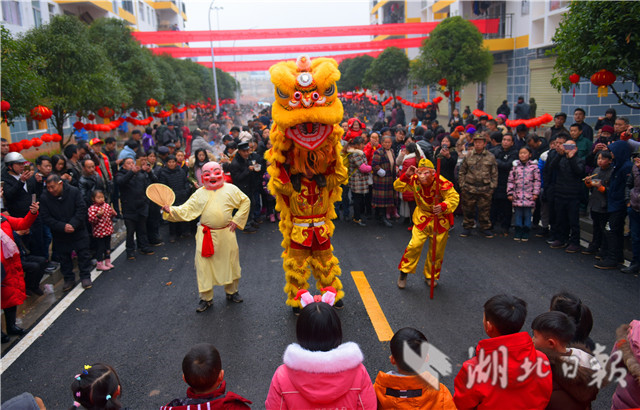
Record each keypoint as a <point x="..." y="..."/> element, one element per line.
<point x="425" y="221"/>
<point x="306" y="170"/>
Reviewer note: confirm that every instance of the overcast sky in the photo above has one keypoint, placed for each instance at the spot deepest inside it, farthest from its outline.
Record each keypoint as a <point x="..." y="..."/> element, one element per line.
<point x="249" y="14"/>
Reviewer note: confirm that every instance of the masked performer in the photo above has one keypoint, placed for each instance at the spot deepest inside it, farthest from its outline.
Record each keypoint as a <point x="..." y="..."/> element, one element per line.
<point x="217" y="256"/>
<point x="435" y="203"/>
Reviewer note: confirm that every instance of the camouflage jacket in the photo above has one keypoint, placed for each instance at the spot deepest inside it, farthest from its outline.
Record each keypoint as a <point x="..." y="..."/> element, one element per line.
<point x="479" y="173"/>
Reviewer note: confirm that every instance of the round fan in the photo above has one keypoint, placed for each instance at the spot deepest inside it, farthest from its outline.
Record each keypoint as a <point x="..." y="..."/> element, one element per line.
<point x="161" y="194"/>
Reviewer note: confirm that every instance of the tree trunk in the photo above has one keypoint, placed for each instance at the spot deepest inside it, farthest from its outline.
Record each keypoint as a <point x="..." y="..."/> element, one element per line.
<point x="452" y="103"/>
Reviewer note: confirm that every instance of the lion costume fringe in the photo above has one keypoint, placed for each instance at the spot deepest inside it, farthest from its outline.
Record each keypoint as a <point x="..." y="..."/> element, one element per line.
<point x="306" y="170"/>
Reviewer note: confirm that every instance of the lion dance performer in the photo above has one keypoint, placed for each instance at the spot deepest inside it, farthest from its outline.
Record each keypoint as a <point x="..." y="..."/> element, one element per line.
<point x="433" y="216"/>
<point x="217" y="256"/>
<point x="307" y="171"/>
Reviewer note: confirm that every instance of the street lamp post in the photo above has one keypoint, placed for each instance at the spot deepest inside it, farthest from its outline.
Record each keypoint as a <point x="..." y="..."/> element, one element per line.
<point x="213" y="62"/>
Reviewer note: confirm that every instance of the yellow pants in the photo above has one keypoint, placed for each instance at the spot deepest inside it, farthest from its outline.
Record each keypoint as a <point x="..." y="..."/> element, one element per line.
<point x="411" y="255"/>
<point x="298" y="265"/>
<point x="229" y="289"/>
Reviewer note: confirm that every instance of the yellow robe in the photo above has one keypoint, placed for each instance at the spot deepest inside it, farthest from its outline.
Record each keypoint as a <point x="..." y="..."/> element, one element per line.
<point x="214" y="209"/>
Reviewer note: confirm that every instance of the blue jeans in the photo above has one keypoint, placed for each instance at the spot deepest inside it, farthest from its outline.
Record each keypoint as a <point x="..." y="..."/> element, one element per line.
<point x="634" y="227"/>
<point x="523" y="216"/>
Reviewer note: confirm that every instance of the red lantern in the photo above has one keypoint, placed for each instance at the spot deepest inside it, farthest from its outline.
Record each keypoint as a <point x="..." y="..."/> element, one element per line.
<point x="415" y="93"/>
<point x="574" y="78"/>
<point x="106" y="113"/>
<point x="152" y="104"/>
<point x="40" y="113"/>
<point x="437" y="100"/>
<point x="443" y="82"/>
<point x="46" y="138"/>
<point x="457" y="99"/>
<point x="91" y="117"/>
<point x="4" y="106"/>
<point x="15" y="147"/>
<point x="36" y="142"/>
<point x="603" y="79"/>
<point x="26" y="144"/>
<point x="381" y="92"/>
<point x="447" y="94"/>
<point x="78" y="125"/>
<point x="56" y="137"/>
<point x="133" y="114"/>
<point x="456" y="93"/>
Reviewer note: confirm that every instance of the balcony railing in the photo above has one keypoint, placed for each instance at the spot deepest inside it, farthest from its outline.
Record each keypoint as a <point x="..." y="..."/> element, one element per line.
<point x="505" y="27"/>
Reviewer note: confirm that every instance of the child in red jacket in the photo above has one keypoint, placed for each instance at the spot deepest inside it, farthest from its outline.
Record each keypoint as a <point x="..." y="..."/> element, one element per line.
<point x="507" y="371"/>
<point x="100" y="214"/>
<point x="202" y="371"/>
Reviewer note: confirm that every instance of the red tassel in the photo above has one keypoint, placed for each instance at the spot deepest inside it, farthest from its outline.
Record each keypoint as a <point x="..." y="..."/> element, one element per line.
<point x="574" y="91"/>
<point x="207" y="242"/>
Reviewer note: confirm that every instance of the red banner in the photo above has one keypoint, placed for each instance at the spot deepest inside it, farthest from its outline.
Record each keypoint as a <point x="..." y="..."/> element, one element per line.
<point x="178" y="52"/>
<point x="264" y="65"/>
<point x="485" y="26"/>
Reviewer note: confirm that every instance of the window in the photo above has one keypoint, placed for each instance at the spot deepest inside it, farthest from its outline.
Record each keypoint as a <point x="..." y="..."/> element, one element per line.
<point x="127" y="5"/>
<point x="37" y="16"/>
<point x="52" y="11"/>
<point x="141" y="11"/>
<point x="11" y="12"/>
<point x="524" y="8"/>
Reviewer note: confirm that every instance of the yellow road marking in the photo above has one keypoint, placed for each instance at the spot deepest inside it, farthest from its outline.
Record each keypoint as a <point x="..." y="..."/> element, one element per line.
<point x="378" y="319"/>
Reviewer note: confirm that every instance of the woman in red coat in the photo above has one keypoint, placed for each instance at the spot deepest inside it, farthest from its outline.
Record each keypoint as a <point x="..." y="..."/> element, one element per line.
<point x="13" y="287"/>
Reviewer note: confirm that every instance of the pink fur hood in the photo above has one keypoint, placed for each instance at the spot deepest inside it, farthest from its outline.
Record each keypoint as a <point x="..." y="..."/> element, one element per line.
<point x="336" y="378"/>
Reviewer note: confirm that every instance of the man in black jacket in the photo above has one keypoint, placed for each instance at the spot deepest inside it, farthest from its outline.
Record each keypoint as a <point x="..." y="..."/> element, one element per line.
<point x="63" y="209"/>
<point x="569" y="170"/>
<point x="244" y="174"/>
<point x="501" y="207"/>
<point x="133" y="181"/>
<point x="175" y="178"/>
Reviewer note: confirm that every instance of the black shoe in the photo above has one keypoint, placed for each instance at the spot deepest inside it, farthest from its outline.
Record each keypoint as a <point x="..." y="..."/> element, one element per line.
<point x="234" y="297"/>
<point x="339" y="304"/>
<point x="159" y="243"/>
<point x="51" y="267"/>
<point x="249" y="229"/>
<point x="296" y="311"/>
<point x="632" y="269"/>
<point x="590" y="250"/>
<point x="254" y="225"/>
<point x="386" y="223"/>
<point x="543" y="233"/>
<point x="606" y="264"/>
<point x="16" y="331"/>
<point x="86" y="283"/>
<point x="487" y="233"/>
<point x="558" y="245"/>
<point x="131" y="256"/>
<point x="572" y="248"/>
<point x="68" y="285"/>
<point x="5" y="338"/>
<point x="465" y="233"/>
<point x="147" y="251"/>
<point x="203" y="305"/>
<point x="172" y="239"/>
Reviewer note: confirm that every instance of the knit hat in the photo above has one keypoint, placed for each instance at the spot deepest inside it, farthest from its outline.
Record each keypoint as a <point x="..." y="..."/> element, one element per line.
<point x="425" y="163"/>
<point x="459" y="128"/>
<point x="607" y="128"/>
<point x="470" y="129"/>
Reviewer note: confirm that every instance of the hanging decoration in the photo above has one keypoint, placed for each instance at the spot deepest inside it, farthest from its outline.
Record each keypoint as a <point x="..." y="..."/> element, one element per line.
<point x="457" y="99"/>
<point x="575" y="79"/>
<point x="46" y="138"/>
<point x="26" y="144"/>
<point x="603" y="79"/>
<point x="106" y="113"/>
<point x="15" y="147"/>
<point x="415" y="92"/>
<point x="4" y="107"/>
<point x="41" y="114"/>
<point x="56" y="137"/>
<point x="530" y="123"/>
<point x="36" y="142"/>
<point x="152" y="104"/>
<point x="479" y="113"/>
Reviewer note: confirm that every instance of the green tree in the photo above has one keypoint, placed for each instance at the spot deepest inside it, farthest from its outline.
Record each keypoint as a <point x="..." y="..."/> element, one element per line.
<point x="133" y="63"/>
<point x="454" y="51"/>
<point x="388" y="72"/>
<point x="21" y="85"/>
<point x="596" y="35"/>
<point x="352" y="71"/>
<point x="76" y="74"/>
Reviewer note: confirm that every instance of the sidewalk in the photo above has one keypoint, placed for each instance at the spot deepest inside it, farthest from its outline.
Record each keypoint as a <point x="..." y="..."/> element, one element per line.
<point x="36" y="307"/>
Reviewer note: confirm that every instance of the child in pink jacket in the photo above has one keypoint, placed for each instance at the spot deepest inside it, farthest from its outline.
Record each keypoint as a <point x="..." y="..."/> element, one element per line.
<point x="320" y="371"/>
<point x="523" y="188"/>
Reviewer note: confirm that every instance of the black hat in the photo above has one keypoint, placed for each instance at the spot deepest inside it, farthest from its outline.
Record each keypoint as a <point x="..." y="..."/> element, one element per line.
<point x="560" y="114"/>
<point x="163" y="150"/>
<point x="243" y="146"/>
<point x="384" y="129"/>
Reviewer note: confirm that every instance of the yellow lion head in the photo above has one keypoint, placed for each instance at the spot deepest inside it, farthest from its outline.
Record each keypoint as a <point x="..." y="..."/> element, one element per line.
<point x="307" y="107"/>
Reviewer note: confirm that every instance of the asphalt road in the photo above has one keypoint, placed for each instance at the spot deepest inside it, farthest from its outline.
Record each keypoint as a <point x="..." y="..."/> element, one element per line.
<point x="141" y="319"/>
